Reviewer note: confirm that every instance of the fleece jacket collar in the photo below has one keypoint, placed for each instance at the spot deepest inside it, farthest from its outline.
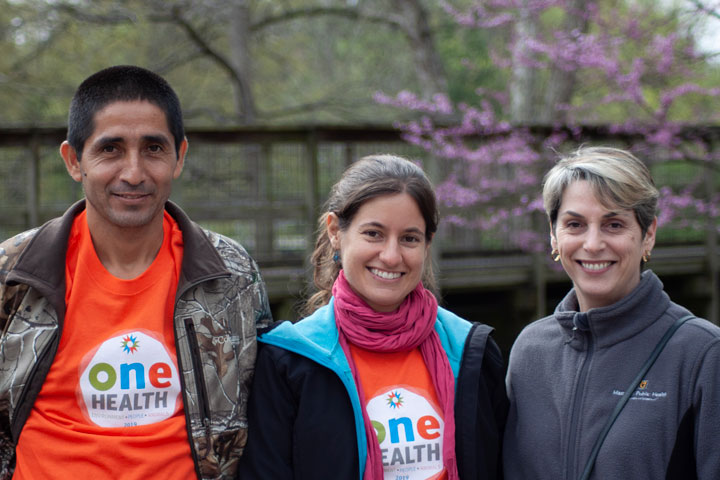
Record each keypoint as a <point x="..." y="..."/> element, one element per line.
<point x="614" y="323"/>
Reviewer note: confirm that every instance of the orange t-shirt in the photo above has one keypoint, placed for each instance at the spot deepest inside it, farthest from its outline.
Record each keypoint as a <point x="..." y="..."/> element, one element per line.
<point x="111" y="405"/>
<point x="403" y="407"/>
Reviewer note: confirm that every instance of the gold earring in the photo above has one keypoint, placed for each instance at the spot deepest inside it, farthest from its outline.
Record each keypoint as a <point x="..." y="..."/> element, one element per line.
<point x="646" y="257"/>
<point x="555" y="254"/>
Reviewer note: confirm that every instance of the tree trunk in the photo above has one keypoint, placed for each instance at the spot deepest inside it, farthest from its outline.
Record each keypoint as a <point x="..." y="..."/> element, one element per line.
<point x="241" y="59"/>
<point x="561" y="83"/>
<point x="428" y="65"/>
<point x="522" y="82"/>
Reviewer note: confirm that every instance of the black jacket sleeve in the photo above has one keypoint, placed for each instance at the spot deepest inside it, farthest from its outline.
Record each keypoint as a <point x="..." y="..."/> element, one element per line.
<point x="481" y="407"/>
<point x="301" y="423"/>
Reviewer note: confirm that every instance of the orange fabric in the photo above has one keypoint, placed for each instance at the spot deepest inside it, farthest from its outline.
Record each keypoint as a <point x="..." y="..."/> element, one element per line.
<point x="111" y="405"/>
<point x="404" y="409"/>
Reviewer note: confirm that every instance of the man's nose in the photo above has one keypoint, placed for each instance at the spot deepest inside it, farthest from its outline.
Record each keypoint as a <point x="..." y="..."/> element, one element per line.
<point x="133" y="171"/>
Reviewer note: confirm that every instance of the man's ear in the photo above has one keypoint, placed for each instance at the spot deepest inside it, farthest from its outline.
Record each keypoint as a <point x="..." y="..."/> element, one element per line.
<point x="72" y="163"/>
<point x="180" y="158"/>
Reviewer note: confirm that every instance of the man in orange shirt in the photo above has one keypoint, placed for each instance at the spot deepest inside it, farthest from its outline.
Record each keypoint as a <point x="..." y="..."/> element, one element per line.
<point x="128" y="331"/>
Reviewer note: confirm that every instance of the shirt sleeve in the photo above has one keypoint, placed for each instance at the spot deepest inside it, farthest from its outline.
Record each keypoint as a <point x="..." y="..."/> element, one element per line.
<point x="704" y="417"/>
<point x="271" y="415"/>
<point x="301" y="422"/>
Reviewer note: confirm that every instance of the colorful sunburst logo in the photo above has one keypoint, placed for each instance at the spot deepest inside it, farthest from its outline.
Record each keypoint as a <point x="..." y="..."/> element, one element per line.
<point x="130" y="344"/>
<point x="394" y="400"/>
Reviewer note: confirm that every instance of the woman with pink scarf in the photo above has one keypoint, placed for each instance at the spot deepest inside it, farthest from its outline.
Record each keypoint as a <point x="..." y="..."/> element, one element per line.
<point x="377" y="382"/>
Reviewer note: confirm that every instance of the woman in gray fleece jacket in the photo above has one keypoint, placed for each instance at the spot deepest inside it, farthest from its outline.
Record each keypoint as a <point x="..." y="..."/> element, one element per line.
<point x="568" y="371"/>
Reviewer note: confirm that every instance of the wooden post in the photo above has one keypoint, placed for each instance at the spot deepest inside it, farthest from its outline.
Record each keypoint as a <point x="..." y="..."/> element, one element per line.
<point x="312" y="196"/>
<point x="431" y="167"/>
<point x="264" y="227"/>
<point x="539" y="270"/>
<point x="711" y="246"/>
<point x="33" y="195"/>
<point x="350" y="154"/>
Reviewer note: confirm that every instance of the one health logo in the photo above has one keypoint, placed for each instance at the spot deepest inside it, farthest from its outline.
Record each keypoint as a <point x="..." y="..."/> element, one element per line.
<point x="129" y="380"/>
<point x="409" y="429"/>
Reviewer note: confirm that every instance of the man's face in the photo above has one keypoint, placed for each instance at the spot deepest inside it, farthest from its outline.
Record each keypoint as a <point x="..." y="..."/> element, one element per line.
<point x="127" y="166"/>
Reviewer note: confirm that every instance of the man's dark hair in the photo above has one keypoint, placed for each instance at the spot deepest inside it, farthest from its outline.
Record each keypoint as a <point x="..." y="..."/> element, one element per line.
<point x="121" y="83"/>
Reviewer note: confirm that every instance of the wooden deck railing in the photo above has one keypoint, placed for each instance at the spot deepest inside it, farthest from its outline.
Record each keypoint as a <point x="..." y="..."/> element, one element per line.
<point x="265" y="188"/>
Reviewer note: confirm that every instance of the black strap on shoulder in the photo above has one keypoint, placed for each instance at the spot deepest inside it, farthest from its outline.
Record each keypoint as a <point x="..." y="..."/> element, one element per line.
<point x="629" y="393"/>
<point x="477" y="338"/>
<point x="470" y="394"/>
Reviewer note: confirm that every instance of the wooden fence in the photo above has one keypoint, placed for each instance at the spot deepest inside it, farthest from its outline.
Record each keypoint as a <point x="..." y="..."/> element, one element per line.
<point x="265" y="188"/>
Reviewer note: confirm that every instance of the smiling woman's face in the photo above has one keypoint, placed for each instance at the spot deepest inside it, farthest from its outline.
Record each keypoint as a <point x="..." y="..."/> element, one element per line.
<point x="601" y="249"/>
<point x="383" y="249"/>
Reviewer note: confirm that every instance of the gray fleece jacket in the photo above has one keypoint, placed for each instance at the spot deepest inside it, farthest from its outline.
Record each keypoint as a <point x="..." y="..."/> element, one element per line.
<point x="567" y="372"/>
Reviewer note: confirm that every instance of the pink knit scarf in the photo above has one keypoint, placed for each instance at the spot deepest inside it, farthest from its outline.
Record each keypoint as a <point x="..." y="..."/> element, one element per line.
<point x="409" y="327"/>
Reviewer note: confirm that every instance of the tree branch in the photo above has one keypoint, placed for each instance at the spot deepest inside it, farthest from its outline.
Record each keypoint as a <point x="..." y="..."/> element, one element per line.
<point x="295" y="109"/>
<point x="345" y="12"/>
<point x="41" y="47"/>
<point x="115" y="17"/>
<point x="703" y="8"/>
<point x="176" y="18"/>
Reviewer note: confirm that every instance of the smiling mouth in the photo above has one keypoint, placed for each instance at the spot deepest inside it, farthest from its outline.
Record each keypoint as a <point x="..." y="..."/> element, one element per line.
<point x="385" y="275"/>
<point x="131" y="196"/>
<point x="597" y="266"/>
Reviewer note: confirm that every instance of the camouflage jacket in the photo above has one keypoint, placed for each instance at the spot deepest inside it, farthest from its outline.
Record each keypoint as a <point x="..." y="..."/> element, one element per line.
<point x="220" y="302"/>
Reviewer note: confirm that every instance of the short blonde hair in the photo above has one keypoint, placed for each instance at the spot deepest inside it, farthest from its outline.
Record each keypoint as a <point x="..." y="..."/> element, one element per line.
<point x="618" y="178"/>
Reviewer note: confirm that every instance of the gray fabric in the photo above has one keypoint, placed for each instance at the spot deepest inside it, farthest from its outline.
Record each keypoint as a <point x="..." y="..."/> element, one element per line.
<point x="567" y="372"/>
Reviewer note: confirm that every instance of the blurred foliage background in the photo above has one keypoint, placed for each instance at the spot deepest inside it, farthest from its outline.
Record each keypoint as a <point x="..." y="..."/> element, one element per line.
<point x="303" y="63"/>
<point x="245" y="62"/>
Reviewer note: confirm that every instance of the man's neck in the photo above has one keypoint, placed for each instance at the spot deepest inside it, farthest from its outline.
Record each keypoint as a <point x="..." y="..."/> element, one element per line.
<point x="127" y="252"/>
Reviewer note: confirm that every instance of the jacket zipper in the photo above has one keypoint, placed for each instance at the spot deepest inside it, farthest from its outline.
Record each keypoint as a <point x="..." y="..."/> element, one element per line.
<point x="202" y="397"/>
<point x="570" y="458"/>
<point x="199" y="376"/>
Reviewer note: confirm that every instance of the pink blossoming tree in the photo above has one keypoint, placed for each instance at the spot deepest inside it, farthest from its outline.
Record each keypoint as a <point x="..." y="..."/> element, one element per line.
<point x="623" y="73"/>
